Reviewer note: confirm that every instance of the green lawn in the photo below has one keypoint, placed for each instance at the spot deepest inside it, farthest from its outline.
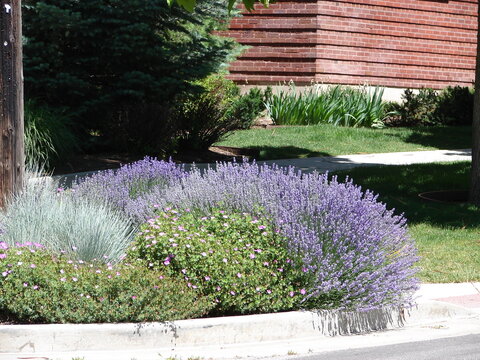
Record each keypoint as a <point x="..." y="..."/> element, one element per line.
<point x="324" y="140"/>
<point x="447" y="235"/>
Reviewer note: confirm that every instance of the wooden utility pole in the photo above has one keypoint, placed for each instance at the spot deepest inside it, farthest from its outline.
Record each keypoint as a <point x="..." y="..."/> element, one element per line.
<point x="11" y="102"/>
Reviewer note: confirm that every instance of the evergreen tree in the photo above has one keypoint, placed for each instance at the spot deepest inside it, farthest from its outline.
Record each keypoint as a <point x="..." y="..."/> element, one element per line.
<point x="97" y="58"/>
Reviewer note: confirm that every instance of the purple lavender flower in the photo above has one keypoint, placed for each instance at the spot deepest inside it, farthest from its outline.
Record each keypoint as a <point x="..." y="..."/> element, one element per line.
<point x="355" y="249"/>
<point x="124" y="188"/>
<point x="350" y="242"/>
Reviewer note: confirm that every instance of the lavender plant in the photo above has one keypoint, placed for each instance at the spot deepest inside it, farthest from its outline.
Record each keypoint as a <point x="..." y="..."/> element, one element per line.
<point x="359" y="251"/>
<point x="120" y="188"/>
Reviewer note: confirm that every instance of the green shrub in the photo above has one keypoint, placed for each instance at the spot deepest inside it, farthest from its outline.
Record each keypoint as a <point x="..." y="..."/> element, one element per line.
<point x="248" y="107"/>
<point x="38" y="287"/>
<point x="61" y="222"/>
<point x="201" y="116"/>
<point x="48" y="135"/>
<point x="342" y="106"/>
<point x="428" y="107"/>
<point x="455" y="106"/>
<point x="238" y="261"/>
<point x="417" y="108"/>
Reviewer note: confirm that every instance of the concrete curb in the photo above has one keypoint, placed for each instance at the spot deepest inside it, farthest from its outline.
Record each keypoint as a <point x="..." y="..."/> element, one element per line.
<point x="226" y="331"/>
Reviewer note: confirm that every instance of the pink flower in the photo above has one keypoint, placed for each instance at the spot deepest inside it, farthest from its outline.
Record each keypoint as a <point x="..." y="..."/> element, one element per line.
<point x="63" y="279"/>
<point x="35" y="287"/>
<point x="166" y="262"/>
<point x="98" y="271"/>
<point x="269" y="291"/>
<point x="239" y="275"/>
<point x="134" y="297"/>
<point x="303" y="291"/>
<point x="291" y="293"/>
<point x="232" y="293"/>
<point x="25" y="284"/>
<point x="74" y="279"/>
<point x="252" y="256"/>
<point x="3" y="256"/>
<point x="207" y="278"/>
<point x="33" y="266"/>
<point x="203" y="254"/>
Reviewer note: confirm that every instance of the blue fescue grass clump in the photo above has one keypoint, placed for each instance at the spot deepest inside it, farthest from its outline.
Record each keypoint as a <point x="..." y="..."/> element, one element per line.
<point x="84" y="229"/>
<point x="359" y="251"/>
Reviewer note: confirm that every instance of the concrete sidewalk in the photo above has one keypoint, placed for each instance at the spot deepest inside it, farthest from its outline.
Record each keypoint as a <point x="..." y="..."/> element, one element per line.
<point x="345" y="162"/>
<point x="466" y="295"/>
<point x="443" y="310"/>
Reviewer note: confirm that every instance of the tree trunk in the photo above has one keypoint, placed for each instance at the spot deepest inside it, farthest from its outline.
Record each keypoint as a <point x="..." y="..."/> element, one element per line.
<point x="11" y="102"/>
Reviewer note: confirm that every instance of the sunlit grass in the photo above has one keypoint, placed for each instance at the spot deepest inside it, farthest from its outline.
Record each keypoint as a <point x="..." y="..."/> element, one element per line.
<point x="324" y="140"/>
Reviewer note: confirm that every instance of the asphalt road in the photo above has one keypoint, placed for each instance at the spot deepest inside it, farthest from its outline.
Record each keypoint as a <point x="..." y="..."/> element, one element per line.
<point x="456" y="348"/>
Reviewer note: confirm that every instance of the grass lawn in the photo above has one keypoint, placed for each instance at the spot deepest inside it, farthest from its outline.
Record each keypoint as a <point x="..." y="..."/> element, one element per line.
<point x="325" y="140"/>
<point x="447" y="235"/>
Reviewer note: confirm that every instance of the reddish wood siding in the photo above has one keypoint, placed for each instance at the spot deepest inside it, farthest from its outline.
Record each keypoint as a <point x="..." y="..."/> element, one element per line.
<point x="408" y="43"/>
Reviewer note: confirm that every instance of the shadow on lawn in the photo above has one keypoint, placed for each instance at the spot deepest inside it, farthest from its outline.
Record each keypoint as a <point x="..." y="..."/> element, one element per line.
<point x="458" y="137"/>
<point x="399" y="186"/>
<point x="285" y="152"/>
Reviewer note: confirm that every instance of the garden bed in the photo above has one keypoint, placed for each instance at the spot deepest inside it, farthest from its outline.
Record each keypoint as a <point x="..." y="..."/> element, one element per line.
<point x="153" y="242"/>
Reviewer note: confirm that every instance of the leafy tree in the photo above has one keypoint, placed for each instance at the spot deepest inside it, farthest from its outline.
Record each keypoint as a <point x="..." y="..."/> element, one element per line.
<point x="97" y="58"/>
<point x="249" y="4"/>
